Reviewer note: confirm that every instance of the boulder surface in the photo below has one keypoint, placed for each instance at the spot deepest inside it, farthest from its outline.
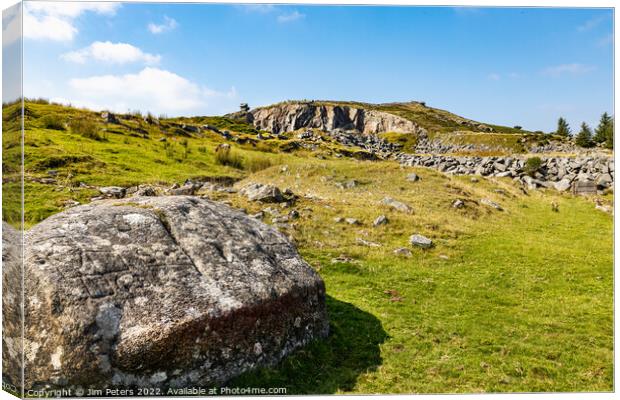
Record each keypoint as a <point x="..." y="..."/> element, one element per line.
<point x="167" y="292"/>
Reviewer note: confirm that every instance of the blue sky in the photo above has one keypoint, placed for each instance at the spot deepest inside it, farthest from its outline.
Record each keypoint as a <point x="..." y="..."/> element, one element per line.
<point x="510" y="66"/>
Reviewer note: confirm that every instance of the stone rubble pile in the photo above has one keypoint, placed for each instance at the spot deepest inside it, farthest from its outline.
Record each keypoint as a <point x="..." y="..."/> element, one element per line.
<point x="560" y="173"/>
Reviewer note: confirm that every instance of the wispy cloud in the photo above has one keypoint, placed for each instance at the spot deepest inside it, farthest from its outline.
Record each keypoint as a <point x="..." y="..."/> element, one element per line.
<point x="290" y="17"/>
<point x="591" y="24"/>
<point x="55" y="20"/>
<point x="168" y="25"/>
<point x="573" y="69"/>
<point x="496" y="77"/>
<point x="257" y="8"/>
<point x="605" y="40"/>
<point x="112" y="53"/>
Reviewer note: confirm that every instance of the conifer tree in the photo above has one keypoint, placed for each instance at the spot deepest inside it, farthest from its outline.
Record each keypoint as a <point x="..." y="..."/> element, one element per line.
<point x="563" y="128"/>
<point x="602" y="130"/>
<point x="584" y="137"/>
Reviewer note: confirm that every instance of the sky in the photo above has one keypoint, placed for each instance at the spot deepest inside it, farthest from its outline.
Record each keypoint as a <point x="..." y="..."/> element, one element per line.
<point x="509" y="66"/>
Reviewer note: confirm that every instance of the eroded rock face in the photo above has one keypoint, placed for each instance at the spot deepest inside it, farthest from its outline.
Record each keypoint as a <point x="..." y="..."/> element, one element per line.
<point x="289" y="117"/>
<point x="163" y="292"/>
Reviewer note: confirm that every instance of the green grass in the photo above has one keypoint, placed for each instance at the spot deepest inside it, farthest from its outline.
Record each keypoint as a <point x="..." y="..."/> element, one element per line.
<point x="523" y="302"/>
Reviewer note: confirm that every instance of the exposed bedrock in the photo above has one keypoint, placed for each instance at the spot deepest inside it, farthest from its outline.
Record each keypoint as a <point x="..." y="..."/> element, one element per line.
<point x="289" y="117"/>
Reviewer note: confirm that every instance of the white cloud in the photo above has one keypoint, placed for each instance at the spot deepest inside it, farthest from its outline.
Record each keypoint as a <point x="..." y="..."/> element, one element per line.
<point x="168" y="25"/>
<point x="494" y="77"/>
<point x="590" y="24"/>
<point x="151" y="89"/>
<point x="568" y="69"/>
<point x="11" y="28"/>
<point x="54" y="20"/>
<point x="113" y="53"/>
<point x="290" y="17"/>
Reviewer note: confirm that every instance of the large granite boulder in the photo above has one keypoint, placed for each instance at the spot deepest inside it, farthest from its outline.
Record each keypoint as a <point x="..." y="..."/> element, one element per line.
<point x="166" y="292"/>
<point x="11" y="309"/>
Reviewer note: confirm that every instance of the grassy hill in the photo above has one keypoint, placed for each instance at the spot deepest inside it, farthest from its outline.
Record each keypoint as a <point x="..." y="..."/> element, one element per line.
<point x="434" y="120"/>
<point x="505" y="301"/>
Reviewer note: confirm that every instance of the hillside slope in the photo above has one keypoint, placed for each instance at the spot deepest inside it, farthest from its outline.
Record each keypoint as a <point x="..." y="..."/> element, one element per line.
<point x="421" y="116"/>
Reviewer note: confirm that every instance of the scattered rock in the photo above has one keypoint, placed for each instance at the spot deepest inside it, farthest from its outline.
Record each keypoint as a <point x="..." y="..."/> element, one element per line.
<point x="70" y="203"/>
<point x="380" y="220"/>
<point x="262" y="193"/>
<point x="491" y="204"/>
<point x="168" y="292"/>
<point x="352" y="221"/>
<point x="145" y="191"/>
<point x="413" y="177"/>
<point x="294" y="214"/>
<point x="343" y="258"/>
<point x="350" y="184"/>
<point x="367" y="243"/>
<point x="458" y="203"/>
<point x="397" y="205"/>
<point x="109" y="117"/>
<point x="420" y="241"/>
<point x="113" y="191"/>
<point x="338" y="219"/>
<point x="403" y="252"/>
<point x="185" y="190"/>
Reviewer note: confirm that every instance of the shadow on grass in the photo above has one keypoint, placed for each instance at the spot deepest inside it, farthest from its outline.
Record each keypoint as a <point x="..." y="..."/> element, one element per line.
<point x="328" y="365"/>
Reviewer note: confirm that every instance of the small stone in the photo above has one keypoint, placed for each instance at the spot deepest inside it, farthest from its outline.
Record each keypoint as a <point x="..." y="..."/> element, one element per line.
<point x="397" y="205"/>
<point x="367" y="243"/>
<point x="474" y="180"/>
<point x="262" y="193"/>
<point x="352" y="221"/>
<point x="294" y="214"/>
<point x="381" y="220"/>
<point x="491" y="204"/>
<point x="420" y="241"/>
<point x="458" y="203"/>
<point x="338" y="220"/>
<point x="403" y="252"/>
<point x="413" y="177"/>
<point x="113" y="191"/>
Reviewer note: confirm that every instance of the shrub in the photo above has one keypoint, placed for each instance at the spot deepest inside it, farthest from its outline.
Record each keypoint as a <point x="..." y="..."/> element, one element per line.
<point x="86" y="128"/>
<point x="532" y="165"/>
<point x="519" y="127"/>
<point x="201" y="149"/>
<point x="52" y="121"/>
<point x="225" y="156"/>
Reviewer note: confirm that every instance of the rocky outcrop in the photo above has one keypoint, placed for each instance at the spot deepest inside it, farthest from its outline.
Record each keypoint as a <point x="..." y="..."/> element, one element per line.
<point x="292" y="116"/>
<point x="165" y="292"/>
